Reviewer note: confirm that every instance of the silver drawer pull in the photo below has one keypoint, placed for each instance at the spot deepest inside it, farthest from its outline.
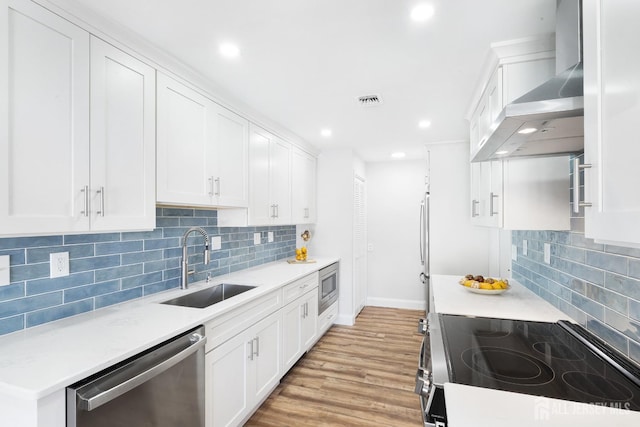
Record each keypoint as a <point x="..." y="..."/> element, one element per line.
<point x="474" y="212"/>
<point x="101" y="193"/>
<point x="85" y="211"/>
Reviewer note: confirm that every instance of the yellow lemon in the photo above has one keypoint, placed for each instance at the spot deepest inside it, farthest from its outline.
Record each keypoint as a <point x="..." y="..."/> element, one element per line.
<point x="304" y="249"/>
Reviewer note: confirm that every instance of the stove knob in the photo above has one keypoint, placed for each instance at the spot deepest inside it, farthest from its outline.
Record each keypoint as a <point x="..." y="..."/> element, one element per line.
<point x="423" y="325"/>
<point x="423" y="382"/>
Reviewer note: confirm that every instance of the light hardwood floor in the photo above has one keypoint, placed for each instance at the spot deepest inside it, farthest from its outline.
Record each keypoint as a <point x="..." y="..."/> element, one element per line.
<point x="361" y="375"/>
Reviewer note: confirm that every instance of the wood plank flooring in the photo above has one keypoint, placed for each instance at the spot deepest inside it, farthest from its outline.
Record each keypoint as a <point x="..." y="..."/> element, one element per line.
<point x="361" y="375"/>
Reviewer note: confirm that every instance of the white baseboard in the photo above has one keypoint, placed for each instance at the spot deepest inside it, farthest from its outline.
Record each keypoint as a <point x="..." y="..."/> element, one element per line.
<point x="396" y="303"/>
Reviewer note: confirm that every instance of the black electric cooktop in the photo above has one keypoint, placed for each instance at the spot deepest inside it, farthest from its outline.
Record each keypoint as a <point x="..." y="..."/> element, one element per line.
<point x="543" y="359"/>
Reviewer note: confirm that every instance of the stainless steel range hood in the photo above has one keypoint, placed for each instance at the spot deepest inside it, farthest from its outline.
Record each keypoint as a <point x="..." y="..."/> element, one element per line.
<point x="549" y="120"/>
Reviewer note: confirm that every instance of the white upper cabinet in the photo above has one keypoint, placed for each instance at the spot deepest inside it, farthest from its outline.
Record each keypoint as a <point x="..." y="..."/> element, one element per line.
<point x="269" y="178"/>
<point x="77" y="134"/>
<point x="123" y="140"/>
<point x="202" y="149"/>
<point x="611" y="91"/>
<point x="44" y="121"/>
<point x="303" y="187"/>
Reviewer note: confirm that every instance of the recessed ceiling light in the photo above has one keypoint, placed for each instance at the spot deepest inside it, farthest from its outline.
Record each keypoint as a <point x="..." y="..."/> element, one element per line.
<point x="229" y="50"/>
<point x="398" y="155"/>
<point x="527" y="131"/>
<point x="326" y="133"/>
<point x="500" y="153"/>
<point x="422" y="12"/>
<point x="423" y="124"/>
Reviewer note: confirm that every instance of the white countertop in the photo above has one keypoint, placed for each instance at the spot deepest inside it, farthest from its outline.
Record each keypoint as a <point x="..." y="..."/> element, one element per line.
<point x="483" y="407"/>
<point x="517" y="303"/>
<point x="38" y="361"/>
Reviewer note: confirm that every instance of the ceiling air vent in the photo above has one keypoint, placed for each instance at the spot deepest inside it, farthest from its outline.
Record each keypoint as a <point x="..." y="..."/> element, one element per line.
<point x="369" y="100"/>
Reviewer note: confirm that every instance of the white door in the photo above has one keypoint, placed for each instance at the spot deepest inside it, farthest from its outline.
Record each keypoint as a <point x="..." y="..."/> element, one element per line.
<point x="226" y="381"/>
<point x="267" y="360"/>
<point x="123" y="140"/>
<point x="359" y="245"/>
<point x="44" y="121"/>
<point x="231" y="180"/>
<point x="612" y="88"/>
<point x="303" y="187"/>
<point x="260" y="209"/>
<point x="280" y="182"/>
<point x="291" y="342"/>
<point x="185" y="144"/>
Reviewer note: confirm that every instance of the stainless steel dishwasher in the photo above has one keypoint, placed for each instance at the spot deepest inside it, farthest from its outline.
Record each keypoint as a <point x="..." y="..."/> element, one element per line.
<point x="161" y="387"/>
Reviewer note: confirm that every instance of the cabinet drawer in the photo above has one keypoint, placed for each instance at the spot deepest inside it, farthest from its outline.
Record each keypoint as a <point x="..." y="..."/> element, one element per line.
<point x="326" y="318"/>
<point x="232" y="323"/>
<point x="301" y="286"/>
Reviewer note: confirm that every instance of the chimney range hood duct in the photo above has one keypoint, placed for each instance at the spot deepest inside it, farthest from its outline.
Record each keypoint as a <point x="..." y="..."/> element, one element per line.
<point x="549" y="120"/>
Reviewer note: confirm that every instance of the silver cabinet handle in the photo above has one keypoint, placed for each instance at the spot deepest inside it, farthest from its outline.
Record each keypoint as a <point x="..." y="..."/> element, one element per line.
<point x="211" y="190"/>
<point x="257" y="340"/>
<point x="277" y="211"/>
<point x="250" y="343"/>
<point x="85" y="211"/>
<point x="492" y="197"/>
<point x="101" y="193"/>
<point x="577" y="167"/>
<point x="273" y="211"/>
<point x="86" y="403"/>
<point x="306" y="212"/>
<point x="474" y="203"/>
<point x="217" y="181"/>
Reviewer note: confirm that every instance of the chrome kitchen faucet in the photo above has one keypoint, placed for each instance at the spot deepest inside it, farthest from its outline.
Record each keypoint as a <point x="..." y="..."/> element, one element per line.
<point x="185" y="259"/>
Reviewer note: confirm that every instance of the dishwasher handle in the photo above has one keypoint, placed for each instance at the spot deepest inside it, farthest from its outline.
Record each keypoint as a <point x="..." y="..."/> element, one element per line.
<point x="197" y="341"/>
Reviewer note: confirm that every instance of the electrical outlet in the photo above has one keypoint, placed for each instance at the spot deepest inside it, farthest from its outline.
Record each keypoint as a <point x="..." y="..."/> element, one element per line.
<point x="58" y="264"/>
<point x="5" y="278"/>
<point x="270" y="237"/>
<point x="547" y="253"/>
<point x="524" y="247"/>
<point x="256" y="238"/>
<point x="216" y="243"/>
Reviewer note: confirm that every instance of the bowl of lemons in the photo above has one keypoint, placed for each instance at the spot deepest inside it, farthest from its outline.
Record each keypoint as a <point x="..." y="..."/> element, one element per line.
<point x="484" y="285"/>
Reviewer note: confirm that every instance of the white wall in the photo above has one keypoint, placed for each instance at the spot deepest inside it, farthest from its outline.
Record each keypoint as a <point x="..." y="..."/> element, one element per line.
<point x="395" y="190"/>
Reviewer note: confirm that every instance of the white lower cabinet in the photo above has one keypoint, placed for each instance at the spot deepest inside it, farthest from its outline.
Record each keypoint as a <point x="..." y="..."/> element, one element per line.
<point x="240" y="373"/>
<point x="300" y="323"/>
<point x="326" y="319"/>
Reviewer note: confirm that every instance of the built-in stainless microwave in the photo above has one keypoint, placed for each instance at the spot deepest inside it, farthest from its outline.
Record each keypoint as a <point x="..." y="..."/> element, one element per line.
<point x="328" y="286"/>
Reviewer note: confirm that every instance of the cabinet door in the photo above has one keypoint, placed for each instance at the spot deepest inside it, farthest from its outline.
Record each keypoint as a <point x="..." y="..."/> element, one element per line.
<point x="268" y="361"/>
<point x="280" y="180"/>
<point x="231" y="181"/>
<point x="612" y="88"/>
<point x="303" y="187"/>
<point x="260" y="204"/>
<point x="309" y="321"/>
<point x="122" y="140"/>
<point x="495" y="194"/>
<point x="475" y="193"/>
<point x="291" y="341"/>
<point x="44" y="121"/>
<point x="186" y="144"/>
<point x="227" y="379"/>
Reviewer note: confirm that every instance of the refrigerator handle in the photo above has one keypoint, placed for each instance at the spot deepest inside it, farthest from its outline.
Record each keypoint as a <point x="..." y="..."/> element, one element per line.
<point x="422" y="232"/>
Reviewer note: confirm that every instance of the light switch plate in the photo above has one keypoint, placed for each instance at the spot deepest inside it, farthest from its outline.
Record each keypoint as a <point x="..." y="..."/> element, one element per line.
<point x="547" y="253"/>
<point x="5" y="277"/>
<point x="216" y="243"/>
<point x="514" y="253"/>
<point x="524" y="247"/>
<point x="270" y="237"/>
<point x="256" y="238"/>
<point x="58" y="264"/>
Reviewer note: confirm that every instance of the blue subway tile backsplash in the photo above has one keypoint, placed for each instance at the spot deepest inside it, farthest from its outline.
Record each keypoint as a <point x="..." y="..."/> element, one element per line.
<point x="111" y="268"/>
<point x="597" y="285"/>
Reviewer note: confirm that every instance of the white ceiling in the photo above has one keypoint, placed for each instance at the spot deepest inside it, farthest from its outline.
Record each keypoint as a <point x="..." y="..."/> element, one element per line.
<point x="304" y="62"/>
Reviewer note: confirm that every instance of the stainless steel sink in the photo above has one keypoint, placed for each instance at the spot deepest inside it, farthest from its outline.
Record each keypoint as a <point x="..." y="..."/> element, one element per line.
<point x="209" y="296"/>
